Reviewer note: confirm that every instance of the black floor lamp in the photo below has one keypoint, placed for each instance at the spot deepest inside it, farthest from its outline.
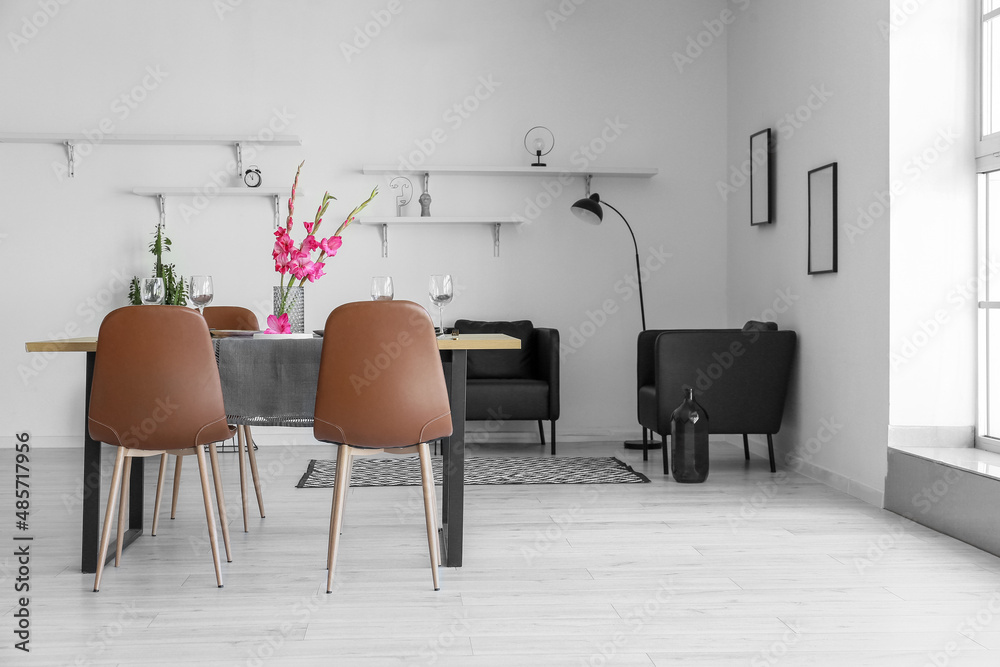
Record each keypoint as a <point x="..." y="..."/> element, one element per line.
<point x="589" y="210"/>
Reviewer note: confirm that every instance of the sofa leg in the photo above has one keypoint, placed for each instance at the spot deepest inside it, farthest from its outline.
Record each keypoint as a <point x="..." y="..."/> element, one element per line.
<point x="770" y="451"/>
<point x="541" y="432"/>
<point x="746" y="447"/>
<point x="553" y="422"/>
<point x="645" y="450"/>
<point x="666" y="462"/>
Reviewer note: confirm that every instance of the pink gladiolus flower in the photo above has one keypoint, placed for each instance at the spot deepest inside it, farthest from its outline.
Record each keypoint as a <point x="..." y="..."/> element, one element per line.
<point x="300" y="266"/>
<point x="331" y="245"/>
<point x="316" y="271"/>
<point x="308" y="226"/>
<point x="278" y="325"/>
<point x="309" y="243"/>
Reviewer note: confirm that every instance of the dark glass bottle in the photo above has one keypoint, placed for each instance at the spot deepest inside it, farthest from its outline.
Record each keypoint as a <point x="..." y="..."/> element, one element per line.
<point x="689" y="441"/>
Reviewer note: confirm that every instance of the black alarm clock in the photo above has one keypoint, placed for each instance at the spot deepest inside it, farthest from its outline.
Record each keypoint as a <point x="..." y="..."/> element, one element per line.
<point x="252" y="177"/>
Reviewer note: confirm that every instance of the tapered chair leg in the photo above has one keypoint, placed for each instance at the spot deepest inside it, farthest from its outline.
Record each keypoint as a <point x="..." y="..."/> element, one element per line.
<point x="177" y="486"/>
<point x="746" y="447"/>
<point x="123" y="509"/>
<point x="541" y="432"/>
<point x="770" y="452"/>
<point x="159" y="492"/>
<point x="430" y="508"/>
<point x="666" y="455"/>
<point x="220" y="497"/>
<point x="102" y="553"/>
<point x="553" y="437"/>
<point x="343" y="480"/>
<point x="252" y="455"/>
<point x="645" y="450"/>
<point x="240" y="444"/>
<point x="212" y="540"/>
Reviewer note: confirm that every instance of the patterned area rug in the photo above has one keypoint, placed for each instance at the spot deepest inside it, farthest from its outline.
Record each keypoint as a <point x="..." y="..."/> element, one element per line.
<point x="405" y="471"/>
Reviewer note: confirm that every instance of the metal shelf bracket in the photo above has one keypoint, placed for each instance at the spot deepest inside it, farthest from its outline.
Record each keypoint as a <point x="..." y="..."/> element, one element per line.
<point x="163" y="210"/>
<point x="70" y="158"/>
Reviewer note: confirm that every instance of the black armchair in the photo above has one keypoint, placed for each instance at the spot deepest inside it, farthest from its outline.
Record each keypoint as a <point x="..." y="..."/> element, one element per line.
<point x="514" y="384"/>
<point x="740" y="378"/>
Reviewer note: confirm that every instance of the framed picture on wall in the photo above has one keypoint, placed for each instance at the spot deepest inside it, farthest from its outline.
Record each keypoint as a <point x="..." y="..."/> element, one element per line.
<point x="823" y="219"/>
<point x="760" y="178"/>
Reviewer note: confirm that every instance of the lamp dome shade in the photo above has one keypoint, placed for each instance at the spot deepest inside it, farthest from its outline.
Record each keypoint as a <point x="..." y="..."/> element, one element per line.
<point x="589" y="209"/>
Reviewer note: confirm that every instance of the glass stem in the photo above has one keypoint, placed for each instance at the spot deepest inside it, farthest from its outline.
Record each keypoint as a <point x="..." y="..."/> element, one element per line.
<point x="441" y="318"/>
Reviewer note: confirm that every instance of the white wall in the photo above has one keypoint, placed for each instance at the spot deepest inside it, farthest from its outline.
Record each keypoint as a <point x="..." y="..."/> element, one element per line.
<point x="933" y="277"/>
<point x="65" y="242"/>
<point x="817" y="73"/>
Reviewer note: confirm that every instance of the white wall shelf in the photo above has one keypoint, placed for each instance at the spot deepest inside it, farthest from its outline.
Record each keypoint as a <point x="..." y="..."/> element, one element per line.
<point x="629" y="172"/>
<point x="382" y="169"/>
<point x="71" y="140"/>
<point x="276" y="194"/>
<point x="385" y="221"/>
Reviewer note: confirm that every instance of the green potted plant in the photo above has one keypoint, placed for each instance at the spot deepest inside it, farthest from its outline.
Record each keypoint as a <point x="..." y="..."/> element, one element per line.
<point x="175" y="293"/>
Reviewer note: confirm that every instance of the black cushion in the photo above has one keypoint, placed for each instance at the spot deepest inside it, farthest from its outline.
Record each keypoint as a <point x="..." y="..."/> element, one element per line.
<point x="500" y="364"/>
<point x="501" y="400"/>
<point x="754" y="325"/>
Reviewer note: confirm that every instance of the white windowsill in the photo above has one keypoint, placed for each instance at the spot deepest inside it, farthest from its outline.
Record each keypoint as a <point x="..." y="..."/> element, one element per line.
<point x="970" y="459"/>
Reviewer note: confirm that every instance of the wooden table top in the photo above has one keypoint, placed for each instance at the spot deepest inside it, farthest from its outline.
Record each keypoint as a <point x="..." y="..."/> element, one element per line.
<point x="463" y="342"/>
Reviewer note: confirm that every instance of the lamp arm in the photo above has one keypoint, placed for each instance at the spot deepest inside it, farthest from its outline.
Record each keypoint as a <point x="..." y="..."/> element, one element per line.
<point x="638" y="269"/>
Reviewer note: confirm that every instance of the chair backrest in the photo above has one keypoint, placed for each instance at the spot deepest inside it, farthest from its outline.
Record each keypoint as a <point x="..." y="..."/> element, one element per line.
<point x="234" y="318"/>
<point x="381" y="382"/>
<point x="156" y="384"/>
<point x="502" y="364"/>
<point x="739" y="377"/>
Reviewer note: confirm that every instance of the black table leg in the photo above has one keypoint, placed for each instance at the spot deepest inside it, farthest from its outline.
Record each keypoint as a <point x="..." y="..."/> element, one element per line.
<point x="92" y="491"/>
<point x="453" y="465"/>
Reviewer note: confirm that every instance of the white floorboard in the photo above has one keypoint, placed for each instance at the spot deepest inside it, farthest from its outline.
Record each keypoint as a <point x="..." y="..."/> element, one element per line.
<point x="745" y="569"/>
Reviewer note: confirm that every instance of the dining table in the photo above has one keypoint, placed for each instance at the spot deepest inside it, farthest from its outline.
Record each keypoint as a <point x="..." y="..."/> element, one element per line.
<point x="233" y="356"/>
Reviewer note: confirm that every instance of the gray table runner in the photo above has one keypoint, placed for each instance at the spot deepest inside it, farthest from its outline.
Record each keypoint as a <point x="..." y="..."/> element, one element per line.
<point x="269" y="382"/>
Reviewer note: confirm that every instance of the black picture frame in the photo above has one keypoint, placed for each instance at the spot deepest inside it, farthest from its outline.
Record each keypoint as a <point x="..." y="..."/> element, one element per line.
<point x="761" y="178"/>
<point x="822" y="253"/>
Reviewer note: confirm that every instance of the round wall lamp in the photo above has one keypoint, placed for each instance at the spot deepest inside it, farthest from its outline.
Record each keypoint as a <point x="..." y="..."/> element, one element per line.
<point x="539" y="141"/>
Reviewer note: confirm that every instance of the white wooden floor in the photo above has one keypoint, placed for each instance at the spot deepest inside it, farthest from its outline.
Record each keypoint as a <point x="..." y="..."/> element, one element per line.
<point x="746" y="569"/>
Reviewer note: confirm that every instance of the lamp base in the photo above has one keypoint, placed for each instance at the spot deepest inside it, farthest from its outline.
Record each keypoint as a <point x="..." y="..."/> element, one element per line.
<point x="538" y="164"/>
<point x="637" y="444"/>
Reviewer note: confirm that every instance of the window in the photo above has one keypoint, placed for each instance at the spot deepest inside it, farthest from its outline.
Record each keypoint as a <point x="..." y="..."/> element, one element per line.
<point x="988" y="165"/>
<point x="989" y="79"/>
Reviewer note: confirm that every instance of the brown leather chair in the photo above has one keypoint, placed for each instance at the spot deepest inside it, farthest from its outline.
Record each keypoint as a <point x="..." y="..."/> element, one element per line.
<point x="233" y="318"/>
<point x="156" y="389"/>
<point x="381" y="388"/>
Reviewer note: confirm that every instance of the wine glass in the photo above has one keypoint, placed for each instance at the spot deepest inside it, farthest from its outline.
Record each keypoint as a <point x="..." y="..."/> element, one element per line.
<point x="441" y="293"/>
<point x="152" y="291"/>
<point x="201" y="291"/>
<point x="382" y="288"/>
